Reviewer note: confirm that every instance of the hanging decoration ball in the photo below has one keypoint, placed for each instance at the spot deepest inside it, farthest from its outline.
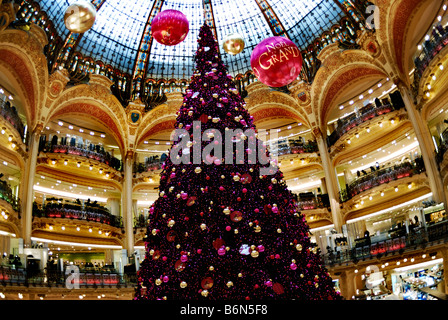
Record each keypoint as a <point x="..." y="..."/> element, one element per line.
<point x="170" y="27"/>
<point x="276" y="61"/>
<point x="80" y="16"/>
<point x="233" y="43"/>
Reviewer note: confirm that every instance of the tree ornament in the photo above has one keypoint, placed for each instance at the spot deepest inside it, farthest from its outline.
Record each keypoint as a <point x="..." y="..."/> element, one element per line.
<point x="276" y="61"/>
<point x="170" y="27"/>
<point x="80" y="16"/>
<point x="233" y="43"/>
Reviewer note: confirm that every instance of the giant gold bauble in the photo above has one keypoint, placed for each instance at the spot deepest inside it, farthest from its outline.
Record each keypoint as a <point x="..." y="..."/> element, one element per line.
<point x="80" y="16"/>
<point x="233" y="43"/>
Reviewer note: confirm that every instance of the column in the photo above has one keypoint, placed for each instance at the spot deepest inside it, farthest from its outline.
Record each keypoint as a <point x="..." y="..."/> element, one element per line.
<point x="444" y="252"/>
<point x="128" y="218"/>
<point x="28" y="183"/>
<point x="347" y="284"/>
<point x="113" y="205"/>
<point x="425" y="143"/>
<point x="331" y="181"/>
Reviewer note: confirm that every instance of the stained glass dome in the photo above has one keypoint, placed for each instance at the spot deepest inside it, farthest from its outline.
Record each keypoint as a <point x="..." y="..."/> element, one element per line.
<point x="122" y="30"/>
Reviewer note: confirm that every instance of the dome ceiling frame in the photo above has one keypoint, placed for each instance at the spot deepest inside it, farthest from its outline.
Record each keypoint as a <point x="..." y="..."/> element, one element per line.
<point x="121" y="38"/>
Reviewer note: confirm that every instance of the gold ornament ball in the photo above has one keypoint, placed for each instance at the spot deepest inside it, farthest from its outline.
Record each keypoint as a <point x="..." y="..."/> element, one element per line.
<point x="254" y="254"/>
<point x="229" y="284"/>
<point x="80" y="16"/>
<point x="158" y="282"/>
<point x="233" y="43"/>
<point x="183" y="284"/>
<point x="204" y="293"/>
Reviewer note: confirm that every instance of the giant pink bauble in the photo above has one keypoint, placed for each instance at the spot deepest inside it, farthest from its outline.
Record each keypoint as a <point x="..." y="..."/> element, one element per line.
<point x="276" y="61"/>
<point x="170" y="27"/>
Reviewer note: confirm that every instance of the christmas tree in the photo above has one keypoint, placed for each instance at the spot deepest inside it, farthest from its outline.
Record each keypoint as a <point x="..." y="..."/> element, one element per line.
<point x="225" y="227"/>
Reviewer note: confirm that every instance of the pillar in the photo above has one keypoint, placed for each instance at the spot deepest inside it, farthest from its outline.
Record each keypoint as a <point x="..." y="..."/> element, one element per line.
<point x="425" y="143"/>
<point x="113" y="205"/>
<point x="128" y="218"/>
<point x="444" y="252"/>
<point x="331" y="181"/>
<point x="28" y="183"/>
<point x="347" y="284"/>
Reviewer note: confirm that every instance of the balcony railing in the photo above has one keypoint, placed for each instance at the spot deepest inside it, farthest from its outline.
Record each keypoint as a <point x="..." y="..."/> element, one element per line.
<point x="442" y="147"/>
<point x="366" y="113"/>
<point x="431" y="47"/>
<point x="7" y="195"/>
<point x="150" y="165"/>
<point x="310" y="202"/>
<point x="77" y="211"/>
<point x="9" y="113"/>
<point x="397" y="240"/>
<point x="93" y="152"/>
<point x="381" y="176"/>
<point x="95" y="278"/>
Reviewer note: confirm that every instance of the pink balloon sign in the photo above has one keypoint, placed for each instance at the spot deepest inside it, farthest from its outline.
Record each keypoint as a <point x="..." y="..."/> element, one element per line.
<point x="276" y="61"/>
<point x="170" y="27"/>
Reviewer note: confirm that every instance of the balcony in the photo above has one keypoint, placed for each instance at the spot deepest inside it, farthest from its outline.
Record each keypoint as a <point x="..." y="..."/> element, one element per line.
<point x="380" y="176"/>
<point x="397" y="240"/>
<point x="9" y="113"/>
<point x="307" y="201"/>
<point x="14" y="274"/>
<point x="365" y="114"/>
<point x="6" y="195"/>
<point x="77" y="211"/>
<point x="431" y="47"/>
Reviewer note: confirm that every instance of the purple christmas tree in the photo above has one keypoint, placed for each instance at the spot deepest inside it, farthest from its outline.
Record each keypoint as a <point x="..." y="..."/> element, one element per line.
<point x="225" y="226"/>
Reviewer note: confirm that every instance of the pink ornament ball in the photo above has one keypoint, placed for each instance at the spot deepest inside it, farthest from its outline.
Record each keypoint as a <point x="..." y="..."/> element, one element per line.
<point x="170" y="27"/>
<point x="276" y="61"/>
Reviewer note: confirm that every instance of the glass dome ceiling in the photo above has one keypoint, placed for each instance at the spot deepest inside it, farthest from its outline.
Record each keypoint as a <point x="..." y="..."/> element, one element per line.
<point x="119" y="36"/>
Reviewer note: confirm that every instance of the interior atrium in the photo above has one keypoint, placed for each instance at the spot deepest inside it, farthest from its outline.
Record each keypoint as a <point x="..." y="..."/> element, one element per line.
<point x="360" y="136"/>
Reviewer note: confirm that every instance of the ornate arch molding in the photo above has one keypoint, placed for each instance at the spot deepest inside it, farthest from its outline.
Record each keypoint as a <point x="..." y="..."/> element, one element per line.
<point x="261" y="98"/>
<point x="161" y="118"/>
<point x="405" y="16"/>
<point x="265" y="112"/>
<point x="21" y="53"/>
<point x="157" y="125"/>
<point x="97" y="103"/>
<point x="341" y="70"/>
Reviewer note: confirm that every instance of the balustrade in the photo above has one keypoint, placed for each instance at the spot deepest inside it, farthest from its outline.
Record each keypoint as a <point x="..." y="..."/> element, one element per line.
<point x="365" y="114"/>
<point x="381" y="176"/>
<point x="77" y="211"/>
